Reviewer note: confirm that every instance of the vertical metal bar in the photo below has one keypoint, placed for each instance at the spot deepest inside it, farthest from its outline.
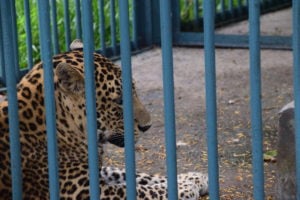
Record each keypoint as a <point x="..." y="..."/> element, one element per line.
<point x="134" y="25"/>
<point x="223" y="7"/>
<point x="54" y="27"/>
<point x="67" y="24"/>
<point x="102" y="26"/>
<point x="13" y="116"/>
<point x="149" y="27"/>
<point x="113" y="26"/>
<point x="28" y="33"/>
<point x="240" y="3"/>
<point x="2" y="64"/>
<point x="45" y="41"/>
<point x="296" y="60"/>
<point x="196" y="12"/>
<point x="14" y="42"/>
<point x="176" y="18"/>
<point x="88" y="49"/>
<point x="168" y="87"/>
<point x="211" y="105"/>
<point x="127" y="99"/>
<point x="78" y="19"/>
<point x="255" y="102"/>
<point x="231" y="6"/>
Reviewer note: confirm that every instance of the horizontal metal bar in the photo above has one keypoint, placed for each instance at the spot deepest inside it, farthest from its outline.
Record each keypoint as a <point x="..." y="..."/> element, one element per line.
<point x="233" y="41"/>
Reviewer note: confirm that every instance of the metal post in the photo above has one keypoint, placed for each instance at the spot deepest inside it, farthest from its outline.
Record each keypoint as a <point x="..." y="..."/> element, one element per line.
<point x="14" y="42"/>
<point x="102" y="26"/>
<point x="113" y="27"/>
<point x="296" y="60"/>
<point x="67" y="25"/>
<point x="255" y="101"/>
<point x="134" y="24"/>
<point x="168" y="87"/>
<point x="88" y="49"/>
<point x="127" y="100"/>
<point x="10" y="66"/>
<point x="78" y="19"/>
<point x="45" y="41"/>
<point x="211" y="105"/>
<point x="54" y="27"/>
<point x="28" y="34"/>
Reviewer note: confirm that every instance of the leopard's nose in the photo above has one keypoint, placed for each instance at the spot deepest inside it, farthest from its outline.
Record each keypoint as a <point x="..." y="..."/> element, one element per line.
<point x="144" y="128"/>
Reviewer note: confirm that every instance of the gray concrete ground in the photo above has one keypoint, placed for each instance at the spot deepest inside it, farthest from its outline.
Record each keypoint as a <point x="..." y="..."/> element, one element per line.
<point x="232" y="68"/>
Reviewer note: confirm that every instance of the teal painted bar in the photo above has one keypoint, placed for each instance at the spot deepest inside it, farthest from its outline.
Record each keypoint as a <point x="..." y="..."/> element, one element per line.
<point x="211" y="102"/>
<point x="45" y="41"/>
<point x="10" y="65"/>
<point x="196" y="12"/>
<point x="28" y="34"/>
<point x="2" y="65"/>
<point x="127" y="101"/>
<point x="54" y="27"/>
<point x="255" y="100"/>
<point x="234" y="41"/>
<point x="67" y="25"/>
<point x="14" y="41"/>
<point x="296" y="75"/>
<point x="78" y="19"/>
<point x="88" y="49"/>
<point x="168" y="89"/>
<point x="134" y="24"/>
<point x="102" y="26"/>
<point x="113" y="27"/>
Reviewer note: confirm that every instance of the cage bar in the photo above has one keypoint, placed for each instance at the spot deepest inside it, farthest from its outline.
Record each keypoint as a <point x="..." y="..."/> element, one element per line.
<point x="28" y="33"/>
<point x="113" y="27"/>
<point x="2" y="65"/>
<point x="45" y="41"/>
<point x="67" y="24"/>
<point x="13" y="115"/>
<point x="102" y="26"/>
<point x="211" y="105"/>
<point x="255" y="101"/>
<point x="54" y="27"/>
<point x="78" y="19"/>
<point x="88" y="49"/>
<point x="296" y="75"/>
<point x="127" y="100"/>
<point x="168" y="89"/>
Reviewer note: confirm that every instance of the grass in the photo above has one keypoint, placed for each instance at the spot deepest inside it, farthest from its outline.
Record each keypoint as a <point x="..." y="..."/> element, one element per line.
<point x="186" y="12"/>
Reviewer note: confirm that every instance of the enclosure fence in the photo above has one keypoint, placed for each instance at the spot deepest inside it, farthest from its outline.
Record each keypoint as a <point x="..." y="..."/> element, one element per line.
<point x="134" y="15"/>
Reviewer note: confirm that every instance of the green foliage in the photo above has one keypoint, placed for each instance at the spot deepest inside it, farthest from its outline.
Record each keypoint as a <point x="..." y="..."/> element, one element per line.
<point x="187" y="7"/>
<point x="186" y="11"/>
<point x="60" y="26"/>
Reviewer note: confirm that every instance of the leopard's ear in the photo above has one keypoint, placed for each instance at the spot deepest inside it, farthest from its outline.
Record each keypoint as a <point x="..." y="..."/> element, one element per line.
<point x="69" y="79"/>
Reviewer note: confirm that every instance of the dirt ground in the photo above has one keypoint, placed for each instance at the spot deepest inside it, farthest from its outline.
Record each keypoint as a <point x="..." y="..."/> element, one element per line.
<point x="234" y="136"/>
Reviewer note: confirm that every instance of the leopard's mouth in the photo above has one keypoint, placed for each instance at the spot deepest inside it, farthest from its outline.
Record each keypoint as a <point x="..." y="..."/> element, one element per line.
<point x="117" y="139"/>
<point x="114" y="138"/>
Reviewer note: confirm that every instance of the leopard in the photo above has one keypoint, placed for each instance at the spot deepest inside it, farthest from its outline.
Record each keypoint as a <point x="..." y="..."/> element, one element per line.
<point x="71" y="133"/>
